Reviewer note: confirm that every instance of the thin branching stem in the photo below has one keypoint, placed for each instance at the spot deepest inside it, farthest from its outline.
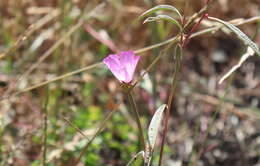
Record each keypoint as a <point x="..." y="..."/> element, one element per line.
<point x="142" y="50"/>
<point x="161" y="54"/>
<point x="45" y="127"/>
<point x="137" y="117"/>
<point x="74" y="127"/>
<point x="195" y="16"/>
<point x="170" y="99"/>
<point x="101" y="127"/>
<point x="193" y="29"/>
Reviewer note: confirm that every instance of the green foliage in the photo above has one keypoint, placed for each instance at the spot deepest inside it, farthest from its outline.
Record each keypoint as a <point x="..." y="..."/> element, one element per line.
<point x="91" y="159"/>
<point x="86" y="117"/>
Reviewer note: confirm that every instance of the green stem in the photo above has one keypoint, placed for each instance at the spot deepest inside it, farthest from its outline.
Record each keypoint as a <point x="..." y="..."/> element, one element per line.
<point x="142" y="50"/>
<point x="45" y="127"/>
<point x="137" y="116"/>
<point x="170" y="99"/>
<point x="161" y="54"/>
<point x="194" y="16"/>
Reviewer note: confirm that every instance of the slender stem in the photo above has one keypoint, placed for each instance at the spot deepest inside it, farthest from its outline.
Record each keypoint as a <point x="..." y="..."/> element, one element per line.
<point x="161" y="54"/>
<point x="196" y="15"/>
<point x="101" y="127"/>
<point x="61" y="77"/>
<point x="74" y="126"/>
<point x="170" y="99"/>
<point x="142" y="50"/>
<point x="53" y="80"/>
<point x="137" y="116"/>
<point x="45" y="118"/>
<point x="193" y="29"/>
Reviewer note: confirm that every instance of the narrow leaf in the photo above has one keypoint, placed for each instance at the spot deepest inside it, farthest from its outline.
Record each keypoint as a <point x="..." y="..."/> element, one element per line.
<point x="161" y="7"/>
<point x="240" y="34"/>
<point x="154" y="125"/>
<point x="163" y="17"/>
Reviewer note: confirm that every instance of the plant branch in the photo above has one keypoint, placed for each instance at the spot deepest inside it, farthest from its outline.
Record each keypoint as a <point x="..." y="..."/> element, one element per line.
<point x="161" y="54"/>
<point x="137" y="117"/>
<point x="101" y="127"/>
<point x="196" y="15"/>
<point x="45" y="125"/>
<point x="74" y="126"/>
<point x="170" y="99"/>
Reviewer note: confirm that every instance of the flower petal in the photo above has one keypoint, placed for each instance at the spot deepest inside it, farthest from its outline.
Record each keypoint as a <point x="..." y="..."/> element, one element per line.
<point x="129" y="61"/>
<point x="113" y="63"/>
<point x="122" y="65"/>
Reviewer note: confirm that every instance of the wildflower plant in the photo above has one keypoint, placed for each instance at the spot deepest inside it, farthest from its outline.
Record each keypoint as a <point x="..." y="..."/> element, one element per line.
<point x="123" y="65"/>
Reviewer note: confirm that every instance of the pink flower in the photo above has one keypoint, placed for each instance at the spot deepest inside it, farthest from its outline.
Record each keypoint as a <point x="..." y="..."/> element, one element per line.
<point x="122" y="65"/>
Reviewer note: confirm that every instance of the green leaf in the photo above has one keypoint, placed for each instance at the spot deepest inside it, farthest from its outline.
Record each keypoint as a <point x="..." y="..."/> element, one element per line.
<point x="154" y="125"/>
<point x="161" y="7"/>
<point x="163" y="17"/>
<point x="239" y="33"/>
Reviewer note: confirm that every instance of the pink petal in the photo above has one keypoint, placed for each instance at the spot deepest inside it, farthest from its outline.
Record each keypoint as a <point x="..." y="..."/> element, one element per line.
<point x="113" y="63"/>
<point x="122" y="65"/>
<point x="129" y="61"/>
